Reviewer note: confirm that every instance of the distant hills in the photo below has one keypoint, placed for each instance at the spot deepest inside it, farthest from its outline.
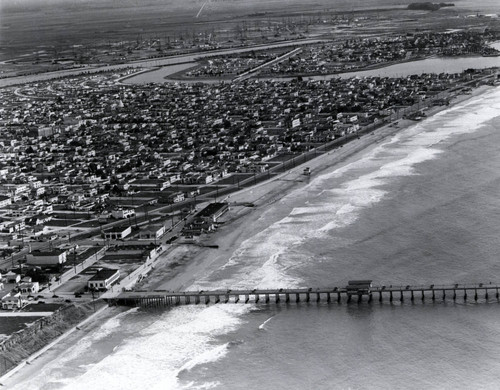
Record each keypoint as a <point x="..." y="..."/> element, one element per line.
<point x="429" y="6"/>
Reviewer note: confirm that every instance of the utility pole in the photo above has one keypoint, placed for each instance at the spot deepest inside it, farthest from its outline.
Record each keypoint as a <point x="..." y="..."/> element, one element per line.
<point x="93" y="298"/>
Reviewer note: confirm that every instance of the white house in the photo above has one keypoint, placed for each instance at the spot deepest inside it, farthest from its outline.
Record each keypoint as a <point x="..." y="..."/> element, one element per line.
<point x="12" y="301"/>
<point x="123" y="213"/>
<point x="29" y="288"/>
<point x="5" y="201"/>
<point x="12" y="277"/>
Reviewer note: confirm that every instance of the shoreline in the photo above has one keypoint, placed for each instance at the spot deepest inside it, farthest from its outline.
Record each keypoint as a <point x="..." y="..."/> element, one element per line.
<point x="186" y="263"/>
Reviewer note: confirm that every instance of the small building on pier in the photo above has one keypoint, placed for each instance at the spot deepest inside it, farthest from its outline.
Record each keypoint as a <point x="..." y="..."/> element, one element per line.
<point x="359" y="287"/>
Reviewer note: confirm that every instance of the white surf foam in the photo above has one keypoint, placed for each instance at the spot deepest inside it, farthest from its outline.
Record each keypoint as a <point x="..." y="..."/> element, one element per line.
<point x="185" y="338"/>
<point x="262" y="326"/>
<point x="208" y="356"/>
<point x="265" y="258"/>
<point x="157" y="358"/>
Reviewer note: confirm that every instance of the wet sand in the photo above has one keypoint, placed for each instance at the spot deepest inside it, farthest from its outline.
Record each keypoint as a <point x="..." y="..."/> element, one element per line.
<point x="188" y="263"/>
<point x="184" y="264"/>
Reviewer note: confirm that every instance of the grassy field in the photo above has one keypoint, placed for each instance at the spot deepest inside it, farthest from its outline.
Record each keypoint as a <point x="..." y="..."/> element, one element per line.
<point x="9" y="325"/>
<point x="60" y="26"/>
<point x="47" y="35"/>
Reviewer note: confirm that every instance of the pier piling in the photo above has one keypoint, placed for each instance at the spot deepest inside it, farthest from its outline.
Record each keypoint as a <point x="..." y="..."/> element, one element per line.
<point x="161" y="298"/>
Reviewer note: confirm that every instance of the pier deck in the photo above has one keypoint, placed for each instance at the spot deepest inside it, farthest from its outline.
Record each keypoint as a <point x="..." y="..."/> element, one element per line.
<point x="339" y="294"/>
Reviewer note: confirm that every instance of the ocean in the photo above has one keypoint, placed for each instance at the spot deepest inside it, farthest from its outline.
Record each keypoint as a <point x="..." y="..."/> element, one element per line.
<point x="420" y="207"/>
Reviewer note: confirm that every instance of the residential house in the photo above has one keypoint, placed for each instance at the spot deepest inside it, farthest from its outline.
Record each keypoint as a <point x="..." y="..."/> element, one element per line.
<point x="12" y="301"/>
<point x="28" y="288"/>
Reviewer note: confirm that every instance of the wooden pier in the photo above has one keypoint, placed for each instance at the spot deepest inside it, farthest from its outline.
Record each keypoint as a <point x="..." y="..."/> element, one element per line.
<point x="352" y="293"/>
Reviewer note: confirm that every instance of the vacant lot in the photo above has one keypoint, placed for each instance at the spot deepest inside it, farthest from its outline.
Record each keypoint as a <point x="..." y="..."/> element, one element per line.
<point x="62" y="222"/>
<point x="58" y="27"/>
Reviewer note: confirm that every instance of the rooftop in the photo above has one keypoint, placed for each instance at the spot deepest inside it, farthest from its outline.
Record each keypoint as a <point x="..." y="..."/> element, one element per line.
<point x="53" y="252"/>
<point x="104" y="274"/>
<point x="211" y="209"/>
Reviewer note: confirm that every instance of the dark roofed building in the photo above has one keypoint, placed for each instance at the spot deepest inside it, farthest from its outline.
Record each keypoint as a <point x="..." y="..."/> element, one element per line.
<point x="212" y="212"/>
<point x="359" y="287"/>
<point x="117" y="232"/>
<point x="52" y="257"/>
<point x="103" y="279"/>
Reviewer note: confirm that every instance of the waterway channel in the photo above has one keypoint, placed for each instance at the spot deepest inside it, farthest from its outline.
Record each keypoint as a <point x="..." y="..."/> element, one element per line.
<point x="429" y="65"/>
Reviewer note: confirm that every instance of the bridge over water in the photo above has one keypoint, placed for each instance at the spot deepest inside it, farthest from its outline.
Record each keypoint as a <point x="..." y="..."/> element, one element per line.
<point x="355" y="290"/>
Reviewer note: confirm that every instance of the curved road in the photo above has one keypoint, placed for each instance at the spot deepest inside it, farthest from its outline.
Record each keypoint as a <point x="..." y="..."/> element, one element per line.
<point x="150" y="63"/>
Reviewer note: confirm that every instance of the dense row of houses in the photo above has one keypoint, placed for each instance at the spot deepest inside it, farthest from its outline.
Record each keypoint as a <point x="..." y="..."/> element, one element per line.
<point x="76" y="147"/>
<point x="334" y="57"/>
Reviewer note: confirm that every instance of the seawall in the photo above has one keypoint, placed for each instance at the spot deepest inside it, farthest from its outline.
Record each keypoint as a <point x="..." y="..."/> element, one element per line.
<point x="22" y="344"/>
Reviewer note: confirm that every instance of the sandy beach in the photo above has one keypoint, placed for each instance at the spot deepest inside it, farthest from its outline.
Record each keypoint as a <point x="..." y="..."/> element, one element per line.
<point x="184" y="264"/>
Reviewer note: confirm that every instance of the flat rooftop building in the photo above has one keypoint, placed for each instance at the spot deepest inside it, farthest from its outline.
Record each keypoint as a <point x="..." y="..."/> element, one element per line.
<point x="212" y="212"/>
<point x="53" y="257"/>
<point x="103" y="279"/>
